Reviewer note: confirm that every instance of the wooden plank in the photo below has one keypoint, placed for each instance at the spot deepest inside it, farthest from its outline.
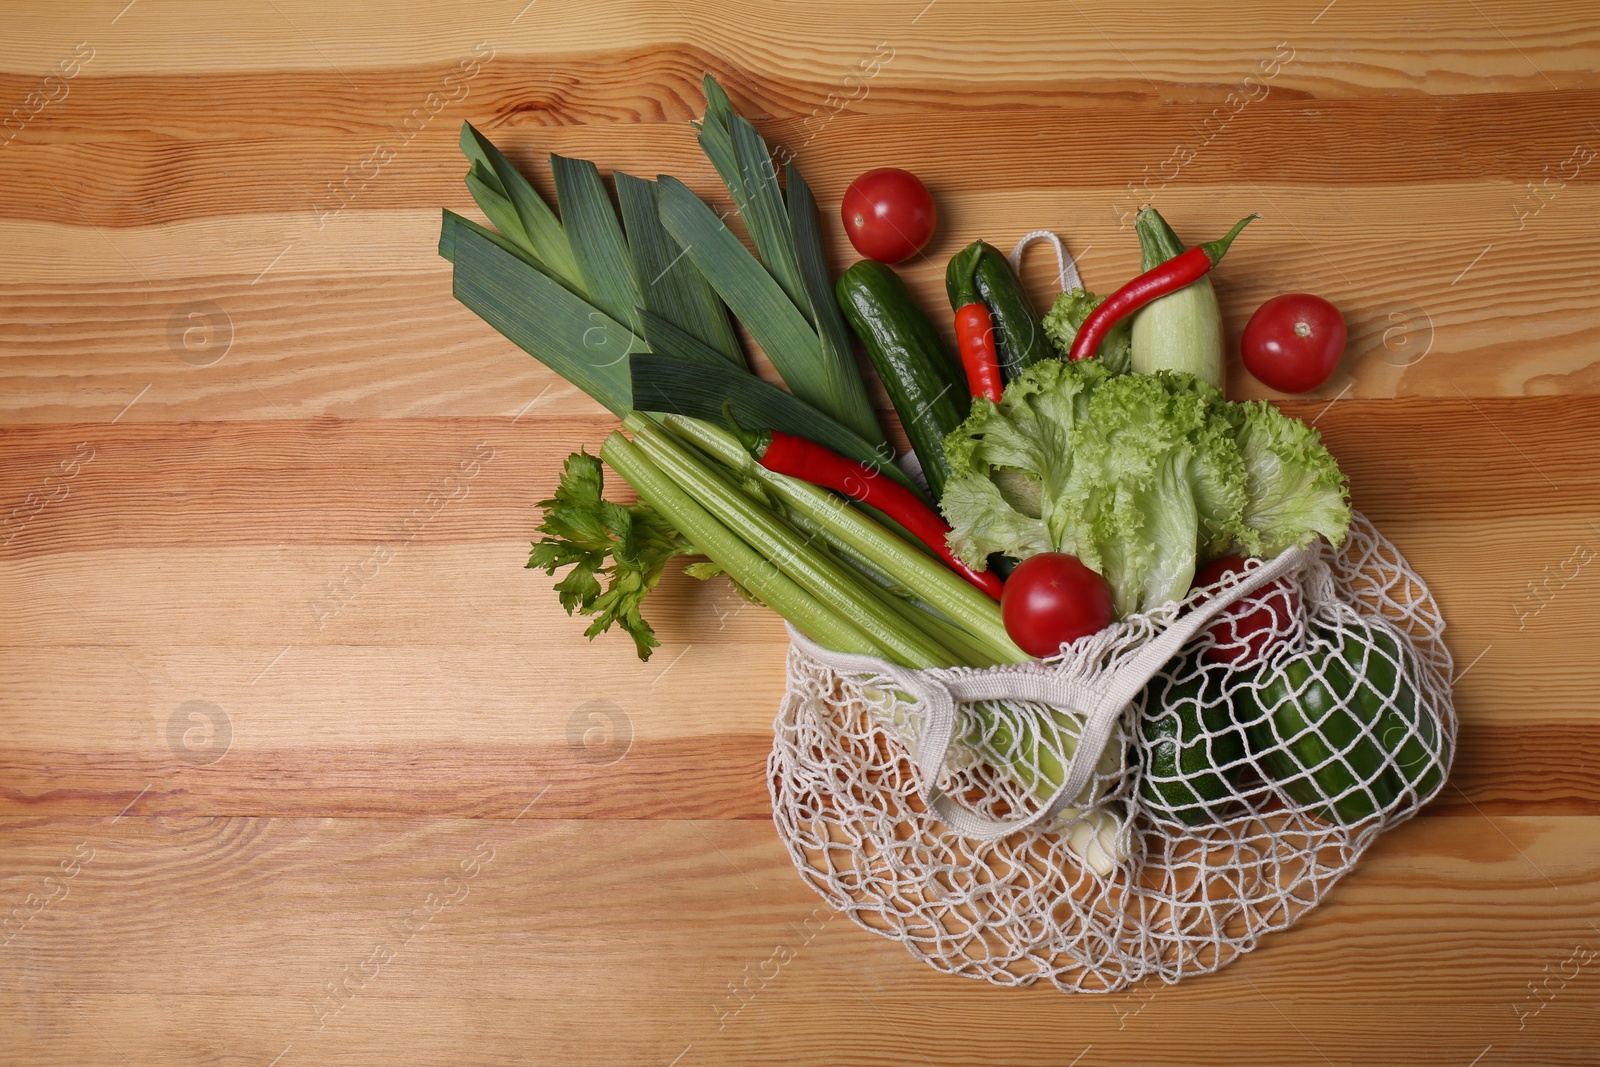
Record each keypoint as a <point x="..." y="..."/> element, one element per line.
<point x="1135" y="150"/>
<point x="276" y="327"/>
<point x="270" y="669"/>
<point x="650" y="927"/>
<point x="1370" y="45"/>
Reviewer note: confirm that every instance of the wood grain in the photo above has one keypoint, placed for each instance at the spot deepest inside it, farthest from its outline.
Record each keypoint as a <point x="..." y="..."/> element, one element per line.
<point x="595" y="908"/>
<point x="273" y="680"/>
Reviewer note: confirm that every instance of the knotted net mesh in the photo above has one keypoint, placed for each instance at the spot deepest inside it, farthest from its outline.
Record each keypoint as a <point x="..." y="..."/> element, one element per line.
<point x="1244" y="777"/>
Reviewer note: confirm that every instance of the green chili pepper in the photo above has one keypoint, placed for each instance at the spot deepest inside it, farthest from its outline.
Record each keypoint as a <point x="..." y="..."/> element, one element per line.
<point x="1339" y="728"/>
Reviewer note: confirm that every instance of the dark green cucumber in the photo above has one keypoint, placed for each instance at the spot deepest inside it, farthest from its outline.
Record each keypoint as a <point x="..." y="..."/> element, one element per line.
<point x="981" y="272"/>
<point x="1193" y="751"/>
<point x="923" y="382"/>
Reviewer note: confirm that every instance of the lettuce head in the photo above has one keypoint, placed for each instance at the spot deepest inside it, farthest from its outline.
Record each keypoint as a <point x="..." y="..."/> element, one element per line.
<point x="1141" y="476"/>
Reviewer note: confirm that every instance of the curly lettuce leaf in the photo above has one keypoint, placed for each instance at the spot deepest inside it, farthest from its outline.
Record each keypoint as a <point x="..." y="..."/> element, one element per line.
<point x="983" y="521"/>
<point x="628" y="545"/>
<point x="1158" y="472"/>
<point x="1065" y="318"/>
<point x="1145" y="539"/>
<point x="1011" y="463"/>
<point x="1294" y="487"/>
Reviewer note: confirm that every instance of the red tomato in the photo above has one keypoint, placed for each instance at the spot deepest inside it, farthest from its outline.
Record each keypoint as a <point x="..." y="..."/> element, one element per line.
<point x="1248" y="628"/>
<point x="1052" y="598"/>
<point x="888" y="214"/>
<point x="1293" y="342"/>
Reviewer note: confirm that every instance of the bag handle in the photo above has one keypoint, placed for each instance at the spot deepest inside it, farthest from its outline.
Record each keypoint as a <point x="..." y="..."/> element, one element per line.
<point x="1098" y="708"/>
<point x="1066" y="266"/>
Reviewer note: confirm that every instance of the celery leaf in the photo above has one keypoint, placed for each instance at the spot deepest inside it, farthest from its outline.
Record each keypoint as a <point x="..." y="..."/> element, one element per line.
<point x="617" y="552"/>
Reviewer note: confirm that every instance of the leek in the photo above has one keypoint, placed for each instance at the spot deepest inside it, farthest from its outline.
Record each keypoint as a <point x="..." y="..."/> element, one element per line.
<point x="804" y="220"/>
<point x="595" y="236"/>
<point x="673" y="290"/>
<point x="544" y="318"/>
<point x="538" y="225"/>
<point x="741" y="158"/>
<point x="782" y="331"/>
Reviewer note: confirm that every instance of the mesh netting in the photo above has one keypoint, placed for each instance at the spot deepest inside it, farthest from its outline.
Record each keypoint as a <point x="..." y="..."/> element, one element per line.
<point x="1240" y="751"/>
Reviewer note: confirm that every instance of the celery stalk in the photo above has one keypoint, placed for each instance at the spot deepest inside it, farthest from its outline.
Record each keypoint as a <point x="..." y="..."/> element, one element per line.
<point x="946" y="632"/>
<point x="956" y="645"/>
<point x="962" y="647"/>
<point x="819" y="575"/>
<point x="961" y="644"/>
<point x="809" y="615"/>
<point x="925" y="577"/>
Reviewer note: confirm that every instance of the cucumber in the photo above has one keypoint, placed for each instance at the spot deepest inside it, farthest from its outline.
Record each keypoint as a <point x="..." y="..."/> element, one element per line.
<point x="1018" y="333"/>
<point x="1188" y="778"/>
<point x="981" y="272"/>
<point x="923" y="382"/>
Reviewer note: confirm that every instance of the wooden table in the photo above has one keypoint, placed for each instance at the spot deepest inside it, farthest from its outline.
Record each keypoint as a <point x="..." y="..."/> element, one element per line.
<point x="299" y="765"/>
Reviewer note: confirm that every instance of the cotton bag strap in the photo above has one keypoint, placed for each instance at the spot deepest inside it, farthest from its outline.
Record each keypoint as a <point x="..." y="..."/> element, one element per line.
<point x="1066" y="267"/>
<point x="1097" y="707"/>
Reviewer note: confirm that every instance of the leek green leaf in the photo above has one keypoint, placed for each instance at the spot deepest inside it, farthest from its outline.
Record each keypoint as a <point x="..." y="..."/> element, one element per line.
<point x="662" y="336"/>
<point x="454" y="224"/>
<point x="596" y="238"/>
<point x="673" y="289"/>
<point x="715" y="134"/>
<point x="764" y="213"/>
<point x="824" y="306"/>
<point x="534" y="311"/>
<point x="766" y="311"/>
<point x="718" y="106"/>
<point x="546" y="239"/>
<point x="495" y="205"/>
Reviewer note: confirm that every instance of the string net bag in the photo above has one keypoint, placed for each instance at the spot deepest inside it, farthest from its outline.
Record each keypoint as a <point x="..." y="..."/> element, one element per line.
<point x="1147" y="804"/>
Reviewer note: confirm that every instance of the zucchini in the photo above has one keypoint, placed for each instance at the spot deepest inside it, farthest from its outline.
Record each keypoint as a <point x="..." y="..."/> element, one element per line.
<point x="981" y="272"/>
<point x="921" y="378"/>
<point x="1180" y="331"/>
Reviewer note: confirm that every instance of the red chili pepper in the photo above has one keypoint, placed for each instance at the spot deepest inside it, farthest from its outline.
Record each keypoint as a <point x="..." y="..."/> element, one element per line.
<point x="785" y="453"/>
<point x="975" y="341"/>
<point x="1177" y="272"/>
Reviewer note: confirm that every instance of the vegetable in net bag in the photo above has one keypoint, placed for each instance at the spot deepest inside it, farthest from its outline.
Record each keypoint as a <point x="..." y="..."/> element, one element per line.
<point x="1052" y="820"/>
